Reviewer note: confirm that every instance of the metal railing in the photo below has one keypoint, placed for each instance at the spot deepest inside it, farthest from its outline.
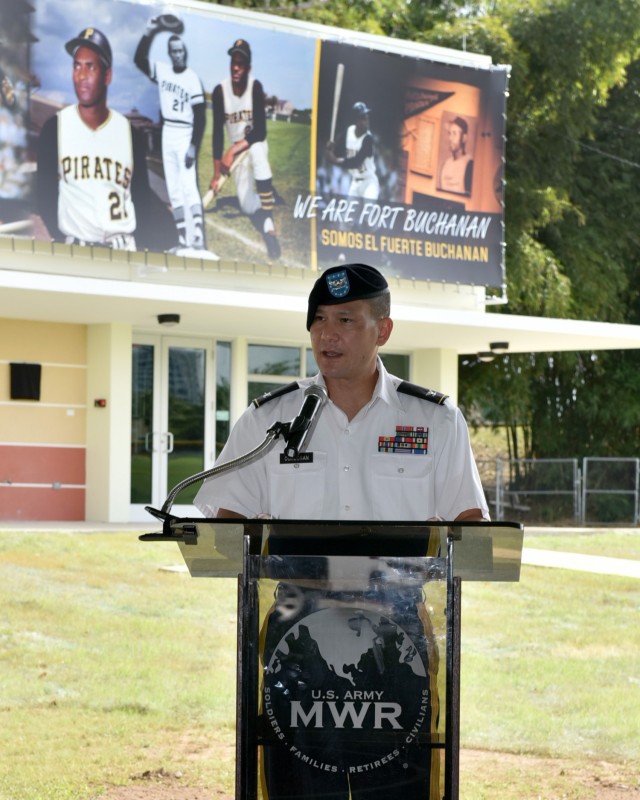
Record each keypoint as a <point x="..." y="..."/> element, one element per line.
<point x="561" y="491"/>
<point x="610" y="489"/>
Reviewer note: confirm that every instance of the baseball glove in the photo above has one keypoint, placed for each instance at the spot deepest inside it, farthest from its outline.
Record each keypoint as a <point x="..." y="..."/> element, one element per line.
<point x="169" y="22"/>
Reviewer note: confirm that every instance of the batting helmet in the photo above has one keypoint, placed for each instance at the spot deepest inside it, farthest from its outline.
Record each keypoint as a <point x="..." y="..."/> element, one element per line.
<point x="360" y="109"/>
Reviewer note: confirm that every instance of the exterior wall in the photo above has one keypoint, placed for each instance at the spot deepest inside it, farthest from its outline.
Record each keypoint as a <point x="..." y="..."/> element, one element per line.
<point x="109" y="427"/>
<point x="437" y="369"/>
<point x="43" y="442"/>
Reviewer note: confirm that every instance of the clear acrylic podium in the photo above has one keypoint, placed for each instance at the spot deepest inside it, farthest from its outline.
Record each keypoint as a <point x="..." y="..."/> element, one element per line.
<point x="348" y="671"/>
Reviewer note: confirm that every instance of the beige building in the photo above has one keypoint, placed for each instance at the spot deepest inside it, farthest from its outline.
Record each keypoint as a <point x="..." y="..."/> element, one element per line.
<point x="127" y="405"/>
<point x="122" y="372"/>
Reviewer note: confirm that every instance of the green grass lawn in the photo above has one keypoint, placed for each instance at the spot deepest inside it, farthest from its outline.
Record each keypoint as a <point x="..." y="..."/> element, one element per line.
<point x="111" y="665"/>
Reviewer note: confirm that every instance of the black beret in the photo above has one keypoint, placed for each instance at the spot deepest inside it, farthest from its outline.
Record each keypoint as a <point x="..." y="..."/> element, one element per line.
<point x="345" y="283"/>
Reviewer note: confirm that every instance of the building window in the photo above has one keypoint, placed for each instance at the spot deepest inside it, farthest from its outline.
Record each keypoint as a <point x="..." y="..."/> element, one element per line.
<point x="141" y="423"/>
<point x="271" y="367"/>
<point x="223" y="394"/>
<point x="396" y="364"/>
<point x="267" y="359"/>
<point x="310" y="362"/>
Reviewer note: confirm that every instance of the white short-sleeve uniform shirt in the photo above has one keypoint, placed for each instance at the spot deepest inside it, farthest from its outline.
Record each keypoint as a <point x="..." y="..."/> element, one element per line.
<point x="401" y="458"/>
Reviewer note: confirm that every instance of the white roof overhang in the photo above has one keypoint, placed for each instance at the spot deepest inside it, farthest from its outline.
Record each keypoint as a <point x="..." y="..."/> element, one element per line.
<point x="266" y="309"/>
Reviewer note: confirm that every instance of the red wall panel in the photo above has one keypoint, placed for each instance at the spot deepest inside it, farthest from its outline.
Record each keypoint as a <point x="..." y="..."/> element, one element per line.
<point x="20" y="464"/>
<point x="21" y="503"/>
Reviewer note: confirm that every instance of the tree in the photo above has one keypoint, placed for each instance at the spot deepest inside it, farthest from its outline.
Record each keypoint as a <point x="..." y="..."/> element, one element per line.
<point x="572" y="205"/>
<point x="572" y="160"/>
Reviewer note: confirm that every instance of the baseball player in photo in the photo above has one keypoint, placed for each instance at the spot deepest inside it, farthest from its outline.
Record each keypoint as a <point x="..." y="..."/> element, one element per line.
<point x="92" y="172"/>
<point x="239" y="109"/>
<point x="182" y="109"/>
<point x="354" y="152"/>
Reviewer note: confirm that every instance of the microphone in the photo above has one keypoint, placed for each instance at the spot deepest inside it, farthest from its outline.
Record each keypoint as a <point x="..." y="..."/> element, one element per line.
<point x="314" y="398"/>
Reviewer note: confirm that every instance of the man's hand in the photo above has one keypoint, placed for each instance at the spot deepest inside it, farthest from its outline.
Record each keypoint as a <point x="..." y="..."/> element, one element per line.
<point x="165" y="22"/>
<point x="214" y="186"/>
<point x="236" y="149"/>
<point x="331" y="155"/>
<point x="471" y="515"/>
<point x="152" y="27"/>
<point x="190" y="157"/>
<point x="227" y="160"/>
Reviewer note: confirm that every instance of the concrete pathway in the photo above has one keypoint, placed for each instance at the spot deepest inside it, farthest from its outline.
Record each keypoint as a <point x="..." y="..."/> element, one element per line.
<point x="582" y="563"/>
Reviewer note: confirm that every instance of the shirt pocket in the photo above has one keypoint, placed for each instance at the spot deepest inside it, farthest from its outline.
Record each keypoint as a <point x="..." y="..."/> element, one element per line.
<point x="296" y="491"/>
<point x="402" y="487"/>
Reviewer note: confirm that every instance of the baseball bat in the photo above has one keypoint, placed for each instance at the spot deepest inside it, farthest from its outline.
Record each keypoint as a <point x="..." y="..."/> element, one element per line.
<point x="11" y="227"/>
<point x="208" y="198"/>
<point x="337" y="92"/>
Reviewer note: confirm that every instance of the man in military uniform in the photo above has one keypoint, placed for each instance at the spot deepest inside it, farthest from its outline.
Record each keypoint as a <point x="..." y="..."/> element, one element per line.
<point x="383" y="449"/>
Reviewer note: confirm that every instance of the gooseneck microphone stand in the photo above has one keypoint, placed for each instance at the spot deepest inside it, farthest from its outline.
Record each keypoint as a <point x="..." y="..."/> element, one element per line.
<point x="273" y="433"/>
<point x="295" y="434"/>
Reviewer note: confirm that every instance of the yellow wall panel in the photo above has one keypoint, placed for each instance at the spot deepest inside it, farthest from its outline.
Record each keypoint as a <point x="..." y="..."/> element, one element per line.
<point x="4" y="382"/>
<point x="40" y="342"/>
<point x="63" y="385"/>
<point x="58" y="385"/>
<point x="34" y="423"/>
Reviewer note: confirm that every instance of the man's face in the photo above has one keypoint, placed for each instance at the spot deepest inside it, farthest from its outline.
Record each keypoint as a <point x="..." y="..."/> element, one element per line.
<point x="455" y="137"/>
<point x="90" y="77"/>
<point x="345" y="339"/>
<point x="239" y="70"/>
<point x="178" y="54"/>
<point x="362" y="124"/>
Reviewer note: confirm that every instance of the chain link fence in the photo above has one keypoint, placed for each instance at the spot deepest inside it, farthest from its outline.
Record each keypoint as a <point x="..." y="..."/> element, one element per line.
<point x="563" y="491"/>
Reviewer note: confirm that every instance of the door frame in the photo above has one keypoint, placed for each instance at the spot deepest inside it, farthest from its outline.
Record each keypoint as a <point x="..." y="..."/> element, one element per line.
<point x="162" y="343"/>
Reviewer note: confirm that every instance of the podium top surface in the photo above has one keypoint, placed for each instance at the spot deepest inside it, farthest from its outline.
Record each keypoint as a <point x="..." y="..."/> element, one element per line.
<point x="479" y="551"/>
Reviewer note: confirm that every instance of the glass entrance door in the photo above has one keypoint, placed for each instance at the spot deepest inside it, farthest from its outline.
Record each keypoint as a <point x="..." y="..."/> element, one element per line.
<point x="172" y="390"/>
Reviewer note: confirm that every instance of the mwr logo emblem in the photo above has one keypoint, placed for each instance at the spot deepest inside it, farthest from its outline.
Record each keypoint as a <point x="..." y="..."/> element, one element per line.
<point x="346" y="687"/>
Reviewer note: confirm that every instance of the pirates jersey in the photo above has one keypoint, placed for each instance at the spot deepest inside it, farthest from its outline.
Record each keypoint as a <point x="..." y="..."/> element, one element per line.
<point x="353" y="144"/>
<point x="95" y="168"/>
<point x="238" y="111"/>
<point x="179" y="92"/>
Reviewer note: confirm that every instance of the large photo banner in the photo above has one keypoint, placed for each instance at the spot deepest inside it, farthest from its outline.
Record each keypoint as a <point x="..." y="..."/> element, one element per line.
<point x="187" y="130"/>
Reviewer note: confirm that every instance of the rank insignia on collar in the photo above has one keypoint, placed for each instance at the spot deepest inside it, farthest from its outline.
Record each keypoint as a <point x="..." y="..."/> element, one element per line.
<point x="408" y="439"/>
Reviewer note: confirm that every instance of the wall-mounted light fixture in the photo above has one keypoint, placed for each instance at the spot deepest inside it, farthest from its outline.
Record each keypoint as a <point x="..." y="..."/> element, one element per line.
<point x="495" y="349"/>
<point x="168" y="320"/>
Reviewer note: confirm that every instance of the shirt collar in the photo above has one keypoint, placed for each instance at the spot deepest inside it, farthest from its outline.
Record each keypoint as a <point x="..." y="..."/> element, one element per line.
<point x="386" y="387"/>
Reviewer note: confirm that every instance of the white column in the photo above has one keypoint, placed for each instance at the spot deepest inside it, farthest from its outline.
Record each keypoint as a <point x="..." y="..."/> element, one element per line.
<point x="239" y="376"/>
<point x="436" y="369"/>
<point x="108" y="428"/>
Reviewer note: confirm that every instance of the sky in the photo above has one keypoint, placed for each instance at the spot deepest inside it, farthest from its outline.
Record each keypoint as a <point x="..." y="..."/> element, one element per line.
<point x="283" y="62"/>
